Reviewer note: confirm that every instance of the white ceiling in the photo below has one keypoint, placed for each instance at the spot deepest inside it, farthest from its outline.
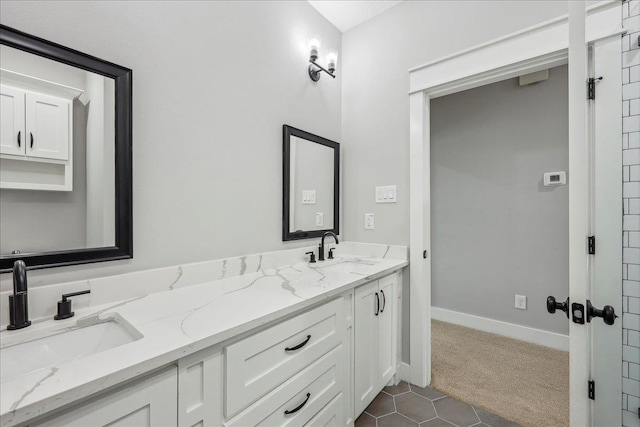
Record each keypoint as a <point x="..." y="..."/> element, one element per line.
<point x="347" y="14"/>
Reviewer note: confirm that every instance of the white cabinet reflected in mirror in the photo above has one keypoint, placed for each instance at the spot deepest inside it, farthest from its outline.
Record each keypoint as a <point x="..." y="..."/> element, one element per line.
<point x="65" y="155"/>
<point x="311" y="185"/>
<point x="57" y="185"/>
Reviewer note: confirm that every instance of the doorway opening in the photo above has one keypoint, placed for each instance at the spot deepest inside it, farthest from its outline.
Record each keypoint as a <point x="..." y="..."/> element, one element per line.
<point x="500" y="246"/>
<point x="595" y="192"/>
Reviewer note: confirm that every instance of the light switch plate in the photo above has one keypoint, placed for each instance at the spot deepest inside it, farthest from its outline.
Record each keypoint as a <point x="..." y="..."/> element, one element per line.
<point x="308" y="197"/>
<point x="319" y="219"/>
<point x="368" y="221"/>
<point x="386" y="194"/>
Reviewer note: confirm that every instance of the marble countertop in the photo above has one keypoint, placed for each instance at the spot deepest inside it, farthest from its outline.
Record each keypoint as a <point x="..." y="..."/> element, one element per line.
<point x="177" y="323"/>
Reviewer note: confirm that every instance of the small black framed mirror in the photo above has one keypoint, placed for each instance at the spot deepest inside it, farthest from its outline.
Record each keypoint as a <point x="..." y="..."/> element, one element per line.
<point x="90" y="170"/>
<point x="311" y="185"/>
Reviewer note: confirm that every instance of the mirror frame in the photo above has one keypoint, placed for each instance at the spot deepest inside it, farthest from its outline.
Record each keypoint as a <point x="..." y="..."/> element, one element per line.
<point x="123" y="77"/>
<point x="287" y="133"/>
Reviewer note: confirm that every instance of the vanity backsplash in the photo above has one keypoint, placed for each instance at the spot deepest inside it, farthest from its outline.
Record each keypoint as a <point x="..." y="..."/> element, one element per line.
<point x="43" y="300"/>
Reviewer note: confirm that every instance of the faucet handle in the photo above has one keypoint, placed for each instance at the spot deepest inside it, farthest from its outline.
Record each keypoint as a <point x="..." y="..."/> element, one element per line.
<point x="313" y="256"/>
<point x="64" y="306"/>
<point x="330" y="256"/>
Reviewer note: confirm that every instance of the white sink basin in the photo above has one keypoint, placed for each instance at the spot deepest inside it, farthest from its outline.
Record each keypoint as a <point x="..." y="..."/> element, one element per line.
<point x="345" y="265"/>
<point x="18" y="359"/>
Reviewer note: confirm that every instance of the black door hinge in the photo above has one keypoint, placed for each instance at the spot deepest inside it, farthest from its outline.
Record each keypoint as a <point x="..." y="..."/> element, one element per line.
<point x="591" y="87"/>
<point x="591" y="245"/>
<point x="592" y="390"/>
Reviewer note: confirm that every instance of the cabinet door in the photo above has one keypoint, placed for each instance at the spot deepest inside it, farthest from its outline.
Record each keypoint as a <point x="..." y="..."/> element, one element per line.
<point x="48" y="126"/>
<point x="366" y="346"/>
<point x="12" y="136"/>
<point x="151" y="402"/>
<point x="386" y="330"/>
<point x="200" y="388"/>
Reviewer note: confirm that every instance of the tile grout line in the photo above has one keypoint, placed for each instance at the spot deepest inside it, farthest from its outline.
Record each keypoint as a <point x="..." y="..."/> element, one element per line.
<point x="476" y="412"/>
<point x="403" y="415"/>
<point x="430" y="419"/>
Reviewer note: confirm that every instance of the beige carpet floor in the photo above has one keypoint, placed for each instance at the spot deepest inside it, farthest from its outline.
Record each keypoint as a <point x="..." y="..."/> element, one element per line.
<point x="519" y="381"/>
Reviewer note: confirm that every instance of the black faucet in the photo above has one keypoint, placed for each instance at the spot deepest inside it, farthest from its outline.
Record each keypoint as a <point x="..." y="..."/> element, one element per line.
<point x="18" y="302"/>
<point x="321" y="248"/>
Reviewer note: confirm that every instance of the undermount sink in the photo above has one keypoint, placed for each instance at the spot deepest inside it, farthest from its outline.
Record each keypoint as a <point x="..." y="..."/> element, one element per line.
<point x="26" y="357"/>
<point x="345" y="265"/>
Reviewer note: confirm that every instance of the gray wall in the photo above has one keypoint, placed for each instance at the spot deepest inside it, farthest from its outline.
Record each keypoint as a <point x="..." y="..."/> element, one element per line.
<point x="37" y="221"/>
<point x="313" y="171"/>
<point x="213" y="84"/>
<point x="376" y="57"/>
<point x="496" y="230"/>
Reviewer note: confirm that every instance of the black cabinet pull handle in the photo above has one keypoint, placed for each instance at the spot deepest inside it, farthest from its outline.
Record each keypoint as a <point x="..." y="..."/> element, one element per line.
<point x="377" y="304"/>
<point x="384" y="301"/>
<point x="287" y="412"/>
<point x="31" y="133"/>
<point x="19" y="138"/>
<point x="299" y="346"/>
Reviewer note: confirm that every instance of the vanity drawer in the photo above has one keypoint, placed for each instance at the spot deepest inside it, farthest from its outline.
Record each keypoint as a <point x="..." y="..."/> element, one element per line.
<point x="258" y="364"/>
<point x="298" y="400"/>
<point x="331" y="415"/>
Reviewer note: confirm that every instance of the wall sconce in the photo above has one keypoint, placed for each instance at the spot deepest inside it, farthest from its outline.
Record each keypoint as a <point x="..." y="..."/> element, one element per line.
<point x="314" y="67"/>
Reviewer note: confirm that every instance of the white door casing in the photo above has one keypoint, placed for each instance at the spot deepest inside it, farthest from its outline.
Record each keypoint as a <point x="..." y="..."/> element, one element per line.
<point x="536" y="48"/>
<point x="579" y="351"/>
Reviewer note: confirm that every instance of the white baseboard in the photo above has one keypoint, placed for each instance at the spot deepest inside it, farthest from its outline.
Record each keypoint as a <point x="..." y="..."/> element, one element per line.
<point x="404" y="372"/>
<point x="510" y="330"/>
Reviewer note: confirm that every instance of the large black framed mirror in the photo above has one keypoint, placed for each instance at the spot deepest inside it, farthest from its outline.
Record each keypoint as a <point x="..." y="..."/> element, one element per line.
<point x="311" y="185"/>
<point x="65" y="155"/>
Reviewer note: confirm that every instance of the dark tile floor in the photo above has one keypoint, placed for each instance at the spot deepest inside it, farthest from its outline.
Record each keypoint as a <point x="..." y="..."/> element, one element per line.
<point x="406" y="405"/>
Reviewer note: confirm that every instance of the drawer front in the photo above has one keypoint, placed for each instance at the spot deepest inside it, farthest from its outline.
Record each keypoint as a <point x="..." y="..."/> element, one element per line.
<point x="331" y="415"/>
<point x="302" y="397"/>
<point x="150" y="402"/>
<point x="261" y="362"/>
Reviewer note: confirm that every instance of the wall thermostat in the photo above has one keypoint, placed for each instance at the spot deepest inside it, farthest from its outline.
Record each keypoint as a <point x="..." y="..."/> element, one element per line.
<point x="555" y="178"/>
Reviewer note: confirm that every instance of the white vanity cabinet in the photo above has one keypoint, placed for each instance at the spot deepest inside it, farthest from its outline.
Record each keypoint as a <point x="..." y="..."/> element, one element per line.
<point x="288" y="373"/>
<point x="36" y="133"/>
<point x="34" y="125"/>
<point x="320" y="366"/>
<point x="12" y="121"/>
<point x="152" y="402"/>
<point x="375" y="343"/>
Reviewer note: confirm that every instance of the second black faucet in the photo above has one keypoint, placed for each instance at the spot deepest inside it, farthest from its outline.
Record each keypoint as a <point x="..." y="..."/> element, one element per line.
<point x="321" y="247"/>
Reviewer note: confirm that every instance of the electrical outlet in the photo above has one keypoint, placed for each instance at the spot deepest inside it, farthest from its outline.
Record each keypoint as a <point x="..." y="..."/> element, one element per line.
<point x="368" y="221"/>
<point x="319" y="219"/>
<point x="521" y="302"/>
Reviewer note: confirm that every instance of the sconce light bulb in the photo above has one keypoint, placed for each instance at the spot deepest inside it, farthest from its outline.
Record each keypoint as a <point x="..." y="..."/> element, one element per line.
<point x="314" y="46"/>
<point x="332" y="59"/>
